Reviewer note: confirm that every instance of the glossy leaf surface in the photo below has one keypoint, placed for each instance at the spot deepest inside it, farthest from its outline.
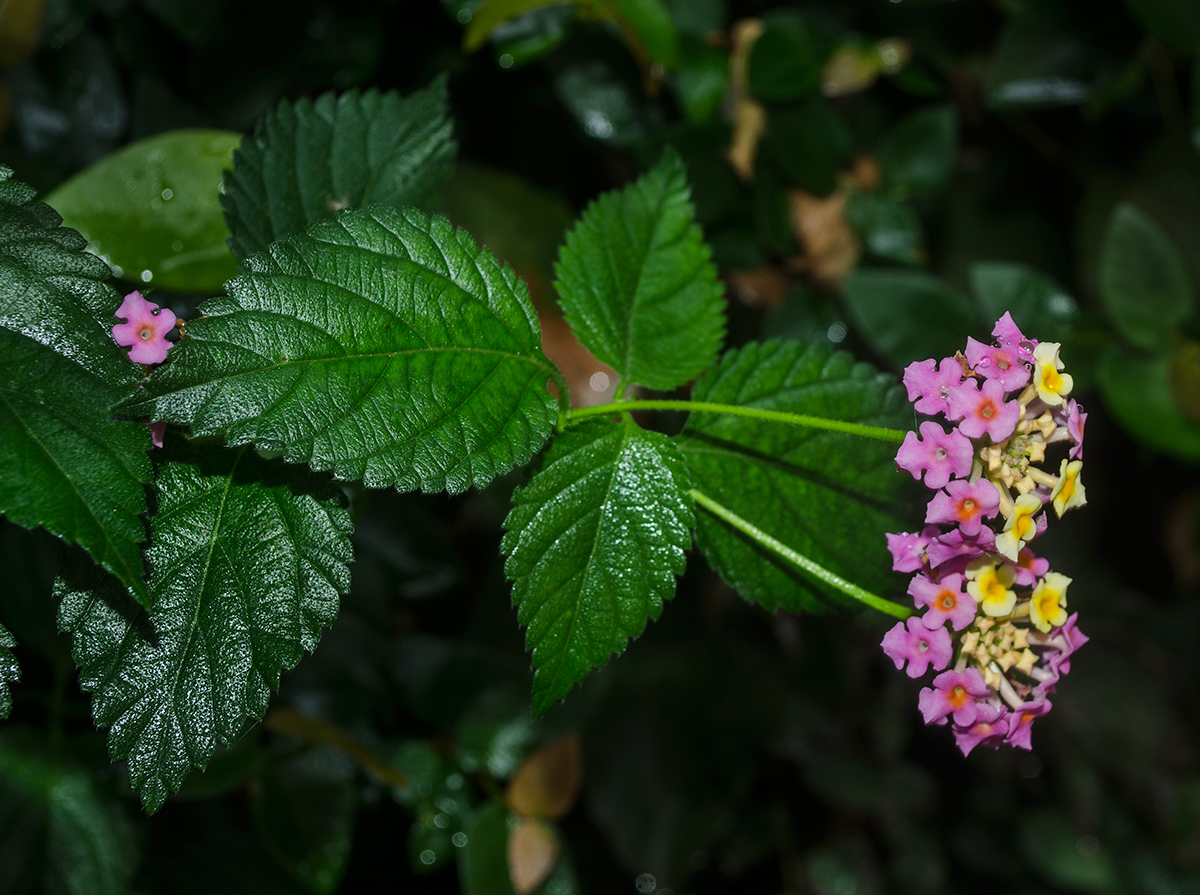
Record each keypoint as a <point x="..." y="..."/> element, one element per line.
<point x="637" y="283"/>
<point x="594" y="543"/>
<point x="68" y="466"/>
<point x="152" y="209"/>
<point x="827" y="495"/>
<point x="10" y="671"/>
<point x="308" y="160"/>
<point x="385" y="346"/>
<point x="244" y="575"/>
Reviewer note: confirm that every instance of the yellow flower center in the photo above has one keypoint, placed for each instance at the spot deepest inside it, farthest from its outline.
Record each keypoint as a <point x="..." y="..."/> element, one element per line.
<point x="1051" y="381"/>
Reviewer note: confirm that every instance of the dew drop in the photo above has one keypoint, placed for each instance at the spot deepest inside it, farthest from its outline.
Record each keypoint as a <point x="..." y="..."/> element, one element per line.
<point x="177" y="245"/>
<point x="459" y="839"/>
<point x="428" y="857"/>
<point x="599" y="381"/>
<point x="147" y="276"/>
<point x="464" y="15"/>
<point x="646" y="883"/>
<point x="167" y="194"/>
<point x="131" y="185"/>
<point x="506" y="60"/>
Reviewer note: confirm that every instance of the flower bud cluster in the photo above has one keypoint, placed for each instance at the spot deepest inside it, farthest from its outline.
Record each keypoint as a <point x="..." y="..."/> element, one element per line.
<point x="994" y="618"/>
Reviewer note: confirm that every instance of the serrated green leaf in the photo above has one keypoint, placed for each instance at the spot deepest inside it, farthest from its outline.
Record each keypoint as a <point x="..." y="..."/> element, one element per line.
<point x="57" y="834"/>
<point x="385" y="346"/>
<point x="908" y="315"/>
<point x="1144" y="280"/>
<point x="152" y="209"/>
<point x="10" y="671"/>
<point x="308" y="160"/>
<point x="917" y="156"/>
<point x="243" y="575"/>
<point x="68" y="466"/>
<point x="594" y="543"/>
<point x="638" y="285"/>
<point x="828" y="495"/>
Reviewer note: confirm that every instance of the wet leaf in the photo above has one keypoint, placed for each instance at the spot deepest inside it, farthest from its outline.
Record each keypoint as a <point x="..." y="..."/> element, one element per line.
<point x="384" y="346"/>
<point x="10" y="671"/>
<point x="152" y="209"/>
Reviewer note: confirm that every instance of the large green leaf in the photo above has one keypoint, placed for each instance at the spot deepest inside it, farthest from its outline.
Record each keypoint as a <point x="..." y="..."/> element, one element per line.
<point x="917" y="156"/>
<point x="828" y="495"/>
<point x="9" y="670"/>
<point x="594" y="543"/>
<point x="1144" y="279"/>
<point x="785" y="61"/>
<point x="308" y="160"/>
<point x="383" y="345"/>
<point x="244" y="575"/>
<point x="909" y="315"/>
<point x="1036" y="303"/>
<point x="1141" y="395"/>
<point x="67" y="465"/>
<point x="57" y="833"/>
<point x="637" y="283"/>
<point x="152" y="209"/>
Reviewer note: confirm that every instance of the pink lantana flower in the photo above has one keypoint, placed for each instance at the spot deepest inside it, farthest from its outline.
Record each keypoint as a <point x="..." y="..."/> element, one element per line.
<point x="999" y="363"/>
<point x="937" y="453"/>
<point x="965" y="505"/>
<point x="945" y="599"/>
<point x="984" y="410"/>
<point x="908" y="550"/>
<point x="1076" y="419"/>
<point x="1030" y="568"/>
<point x="144" y="330"/>
<point x="1020" y="722"/>
<point x="1009" y="336"/>
<point x="915" y="644"/>
<point x="954" y="545"/>
<point x="929" y="386"/>
<point x="954" y="694"/>
<point x="989" y="728"/>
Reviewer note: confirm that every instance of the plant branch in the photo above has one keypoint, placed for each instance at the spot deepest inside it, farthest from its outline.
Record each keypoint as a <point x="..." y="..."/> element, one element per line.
<point x="806" y="565"/>
<point x="879" y="433"/>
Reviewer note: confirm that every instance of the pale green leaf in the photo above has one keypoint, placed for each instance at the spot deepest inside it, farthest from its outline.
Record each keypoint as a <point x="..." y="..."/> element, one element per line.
<point x="594" y="543"/>
<point x="638" y="285"/>
<point x="244" y="575"/>
<point x="1144" y="280"/>
<point x="152" y="209"/>
<point x="309" y="159"/>
<point x="68" y="466"/>
<point x="827" y="495"/>
<point x="385" y="346"/>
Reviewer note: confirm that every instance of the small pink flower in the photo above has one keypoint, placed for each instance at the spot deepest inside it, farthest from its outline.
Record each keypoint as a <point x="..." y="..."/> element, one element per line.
<point x="984" y="411"/>
<point x="929" y="387"/>
<point x="954" y="693"/>
<point x="946" y="599"/>
<point x="954" y="545"/>
<point x="1007" y="334"/>
<point x="157" y="431"/>
<point x="1064" y="642"/>
<point x="1020" y="722"/>
<point x="1030" y="568"/>
<point x="937" y="453"/>
<point x="964" y="505"/>
<point x="1075" y="423"/>
<point x="1001" y="364"/>
<point x="989" y="728"/>
<point x="145" y="329"/>
<point x="915" y="644"/>
<point x="908" y="550"/>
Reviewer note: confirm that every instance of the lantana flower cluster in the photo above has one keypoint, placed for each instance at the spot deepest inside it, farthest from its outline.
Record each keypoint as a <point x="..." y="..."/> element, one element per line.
<point x="992" y="617"/>
<point x="144" y="332"/>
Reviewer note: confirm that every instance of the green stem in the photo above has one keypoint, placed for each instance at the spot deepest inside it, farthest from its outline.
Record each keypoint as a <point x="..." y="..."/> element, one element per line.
<point x="801" y="562"/>
<point x="776" y="416"/>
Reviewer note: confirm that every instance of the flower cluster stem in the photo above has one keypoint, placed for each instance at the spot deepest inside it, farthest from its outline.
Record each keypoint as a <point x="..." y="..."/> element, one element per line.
<point x="806" y="565"/>
<point x="577" y="414"/>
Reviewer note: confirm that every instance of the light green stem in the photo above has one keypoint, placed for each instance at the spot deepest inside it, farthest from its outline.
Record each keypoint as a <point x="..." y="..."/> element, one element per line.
<point x="803" y="563"/>
<point x="776" y="416"/>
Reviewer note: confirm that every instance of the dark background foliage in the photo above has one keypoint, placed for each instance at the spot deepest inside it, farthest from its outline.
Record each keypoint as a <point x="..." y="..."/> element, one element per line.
<point x="729" y="750"/>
